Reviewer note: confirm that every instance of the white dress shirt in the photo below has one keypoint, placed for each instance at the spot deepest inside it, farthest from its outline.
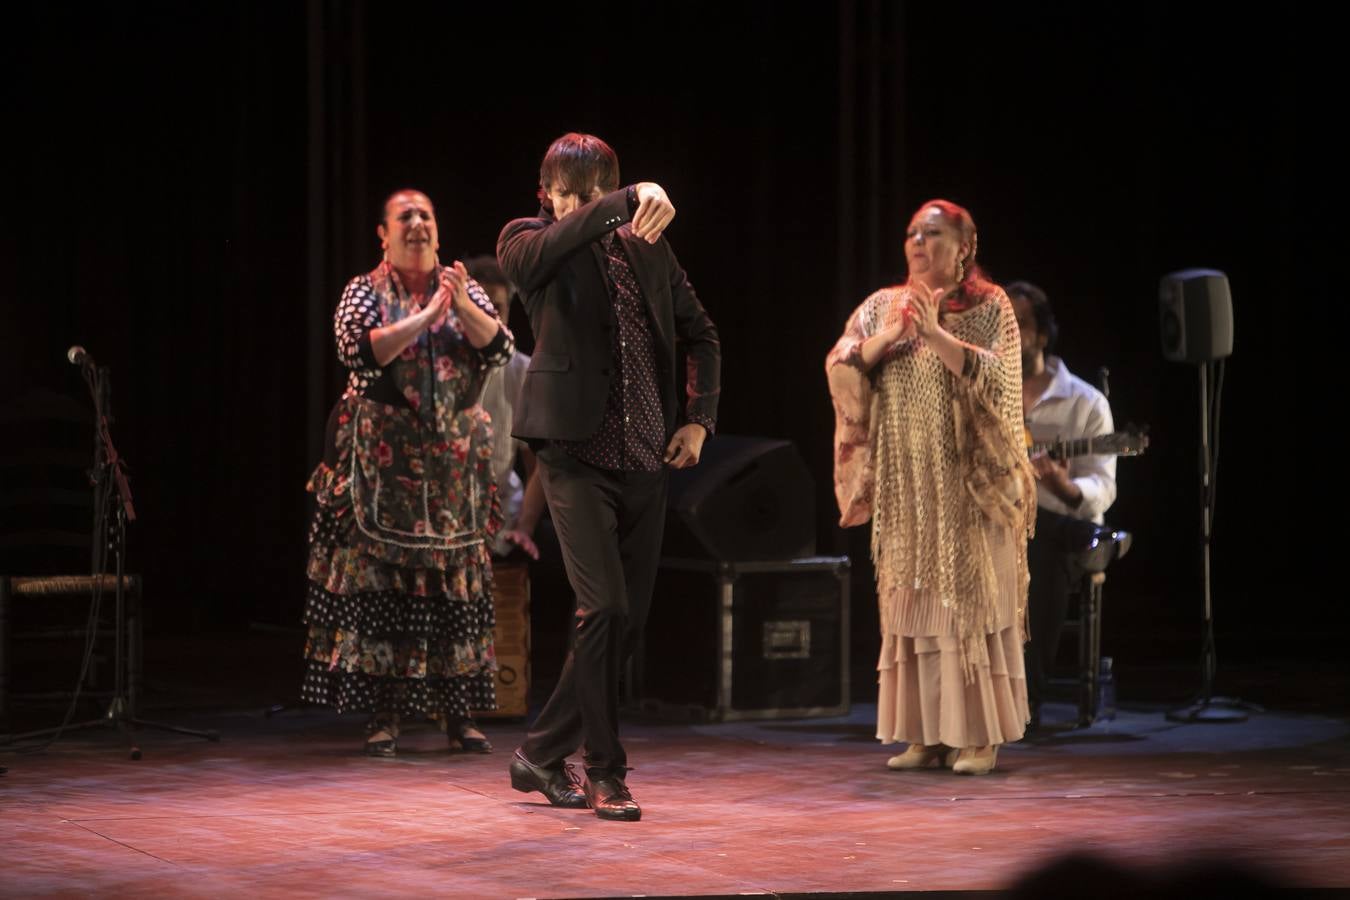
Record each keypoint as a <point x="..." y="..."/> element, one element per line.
<point x="1071" y="409"/>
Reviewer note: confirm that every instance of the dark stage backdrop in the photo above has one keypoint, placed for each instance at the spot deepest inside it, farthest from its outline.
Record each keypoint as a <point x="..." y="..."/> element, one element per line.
<point x="189" y="186"/>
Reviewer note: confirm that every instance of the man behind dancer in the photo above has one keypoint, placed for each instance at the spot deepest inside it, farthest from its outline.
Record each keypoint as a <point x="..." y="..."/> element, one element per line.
<point x="1058" y="405"/>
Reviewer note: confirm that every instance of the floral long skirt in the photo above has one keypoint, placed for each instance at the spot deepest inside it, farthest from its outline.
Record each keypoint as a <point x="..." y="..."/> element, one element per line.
<point x="387" y="638"/>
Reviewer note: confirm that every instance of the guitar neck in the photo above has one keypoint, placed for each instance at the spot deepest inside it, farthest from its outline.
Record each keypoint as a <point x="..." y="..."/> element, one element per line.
<point x="1125" y="443"/>
<point x="1068" y="449"/>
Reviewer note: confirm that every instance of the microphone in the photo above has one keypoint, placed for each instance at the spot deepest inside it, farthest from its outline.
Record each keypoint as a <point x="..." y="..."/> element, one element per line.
<point x="79" y="356"/>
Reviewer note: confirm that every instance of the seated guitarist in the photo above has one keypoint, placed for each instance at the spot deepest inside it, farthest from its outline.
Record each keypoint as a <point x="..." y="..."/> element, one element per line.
<point x="1070" y="492"/>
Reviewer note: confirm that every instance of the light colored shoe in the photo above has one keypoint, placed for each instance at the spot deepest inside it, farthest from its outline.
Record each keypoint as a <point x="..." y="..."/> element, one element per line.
<point x="976" y="760"/>
<point x="919" y="756"/>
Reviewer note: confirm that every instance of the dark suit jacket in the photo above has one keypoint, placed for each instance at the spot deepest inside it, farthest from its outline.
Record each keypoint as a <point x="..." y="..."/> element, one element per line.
<point x="560" y="271"/>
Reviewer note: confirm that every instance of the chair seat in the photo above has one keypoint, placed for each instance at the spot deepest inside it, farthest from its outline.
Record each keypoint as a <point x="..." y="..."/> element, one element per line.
<point x="1102" y="545"/>
<point x="60" y="585"/>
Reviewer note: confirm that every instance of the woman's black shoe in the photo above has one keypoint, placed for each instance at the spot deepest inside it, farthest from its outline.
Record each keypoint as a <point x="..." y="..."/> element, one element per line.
<point x="462" y="743"/>
<point x="386" y="748"/>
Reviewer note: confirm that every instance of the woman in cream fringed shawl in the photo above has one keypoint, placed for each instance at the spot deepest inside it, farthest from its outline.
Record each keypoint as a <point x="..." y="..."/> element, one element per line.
<point x="927" y="386"/>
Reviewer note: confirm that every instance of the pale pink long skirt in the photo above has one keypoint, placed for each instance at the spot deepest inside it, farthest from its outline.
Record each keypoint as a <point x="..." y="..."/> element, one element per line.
<point x="925" y="696"/>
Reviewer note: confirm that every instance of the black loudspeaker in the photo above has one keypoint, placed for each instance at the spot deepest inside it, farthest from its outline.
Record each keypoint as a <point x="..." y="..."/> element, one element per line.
<point x="748" y="499"/>
<point x="1196" y="316"/>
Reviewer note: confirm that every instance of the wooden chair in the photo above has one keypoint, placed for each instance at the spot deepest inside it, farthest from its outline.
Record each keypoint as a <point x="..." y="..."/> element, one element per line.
<point x="46" y="516"/>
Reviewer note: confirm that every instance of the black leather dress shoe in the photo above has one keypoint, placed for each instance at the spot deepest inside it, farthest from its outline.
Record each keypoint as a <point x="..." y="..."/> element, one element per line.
<point x="608" y="796"/>
<point x="558" y="785"/>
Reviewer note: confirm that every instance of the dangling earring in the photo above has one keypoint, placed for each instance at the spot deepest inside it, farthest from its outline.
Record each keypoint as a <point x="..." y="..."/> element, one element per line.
<point x="384" y="247"/>
<point x="960" y="271"/>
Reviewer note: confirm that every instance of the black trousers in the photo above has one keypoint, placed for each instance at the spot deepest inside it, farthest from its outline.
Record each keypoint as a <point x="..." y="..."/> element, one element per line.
<point x="609" y="526"/>
<point x="1054" y="575"/>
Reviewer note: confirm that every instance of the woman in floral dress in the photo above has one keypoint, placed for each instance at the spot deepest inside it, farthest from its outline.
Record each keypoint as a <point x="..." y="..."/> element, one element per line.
<point x="399" y="605"/>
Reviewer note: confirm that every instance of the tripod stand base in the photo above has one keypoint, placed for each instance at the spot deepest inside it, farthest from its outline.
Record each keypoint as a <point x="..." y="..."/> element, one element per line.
<point x="209" y="734"/>
<point x="1214" y="711"/>
<point x="123" y="723"/>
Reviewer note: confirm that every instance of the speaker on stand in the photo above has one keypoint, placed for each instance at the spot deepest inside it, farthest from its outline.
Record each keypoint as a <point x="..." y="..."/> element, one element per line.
<point x="1195" y="309"/>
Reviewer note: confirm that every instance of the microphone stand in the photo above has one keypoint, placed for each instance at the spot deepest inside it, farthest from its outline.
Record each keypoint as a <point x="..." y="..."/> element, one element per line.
<point x="108" y="466"/>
